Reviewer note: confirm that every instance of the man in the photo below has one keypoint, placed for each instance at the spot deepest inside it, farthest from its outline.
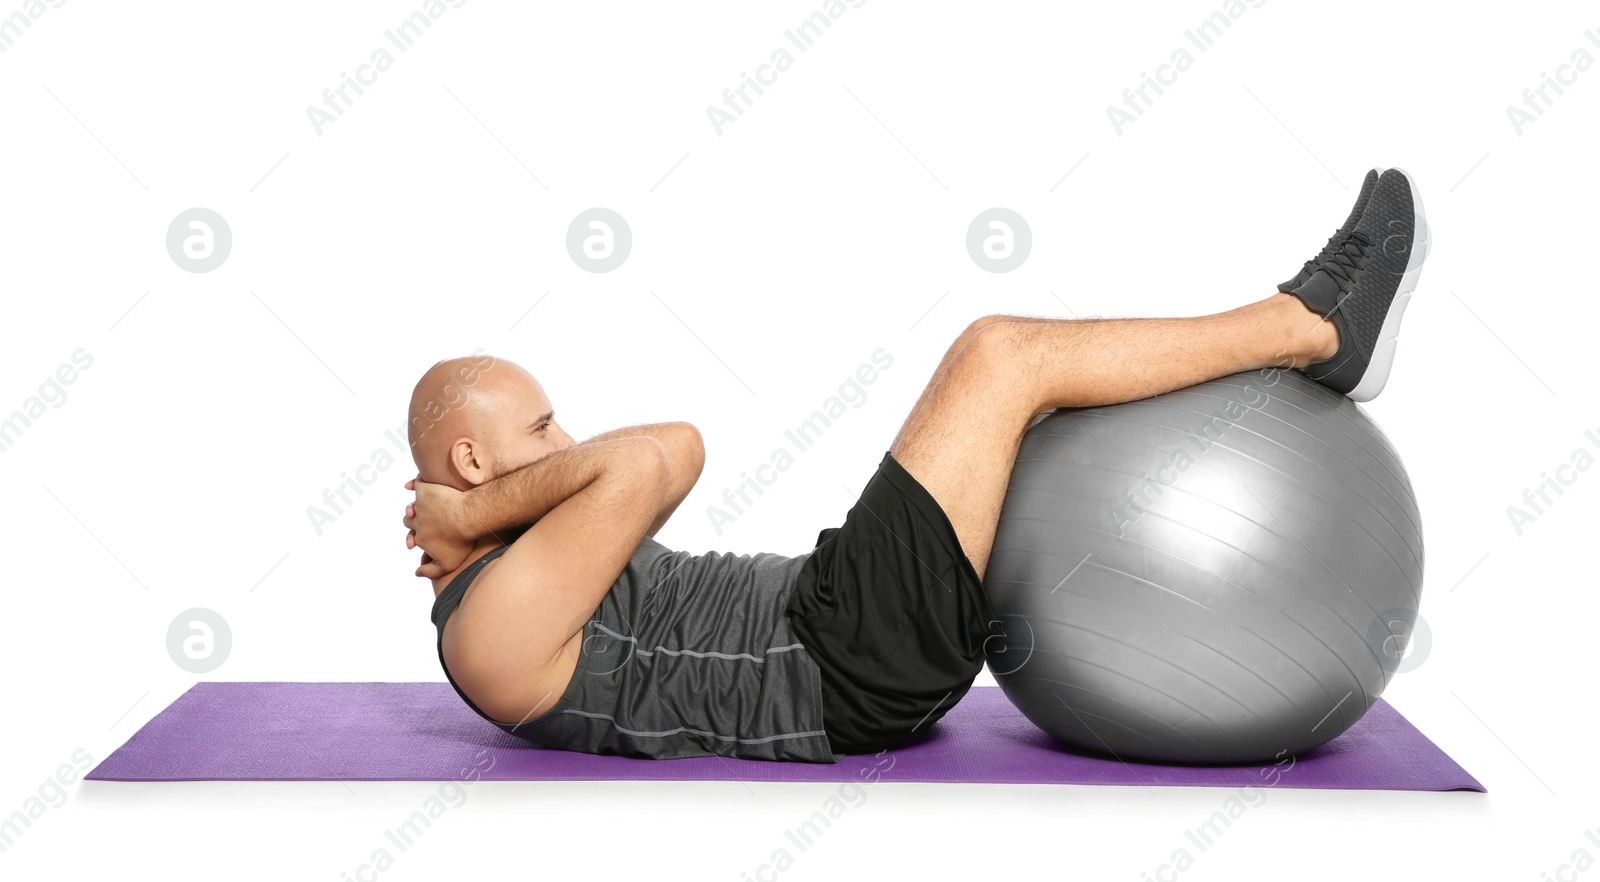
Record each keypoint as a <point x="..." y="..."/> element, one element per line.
<point x="561" y="619"/>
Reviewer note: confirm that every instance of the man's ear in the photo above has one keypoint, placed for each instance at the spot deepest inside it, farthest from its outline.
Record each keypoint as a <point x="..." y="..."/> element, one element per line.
<point x="468" y="461"/>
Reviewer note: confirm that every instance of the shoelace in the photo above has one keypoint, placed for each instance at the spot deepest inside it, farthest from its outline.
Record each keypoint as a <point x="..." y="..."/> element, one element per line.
<point x="1348" y="259"/>
<point x="1327" y="248"/>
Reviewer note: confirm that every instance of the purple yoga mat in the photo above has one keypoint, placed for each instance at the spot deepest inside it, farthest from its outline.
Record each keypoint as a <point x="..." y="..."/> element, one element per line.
<point x="423" y="732"/>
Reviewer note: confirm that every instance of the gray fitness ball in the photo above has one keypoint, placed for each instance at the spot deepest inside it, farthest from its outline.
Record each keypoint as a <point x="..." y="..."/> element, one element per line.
<point x="1221" y="574"/>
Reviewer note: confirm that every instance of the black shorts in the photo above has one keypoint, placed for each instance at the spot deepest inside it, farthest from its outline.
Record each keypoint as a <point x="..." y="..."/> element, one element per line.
<point x="893" y="613"/>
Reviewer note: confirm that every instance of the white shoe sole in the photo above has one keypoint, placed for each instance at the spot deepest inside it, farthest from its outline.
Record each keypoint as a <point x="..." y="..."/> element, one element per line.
<point x="1376" y="375"/>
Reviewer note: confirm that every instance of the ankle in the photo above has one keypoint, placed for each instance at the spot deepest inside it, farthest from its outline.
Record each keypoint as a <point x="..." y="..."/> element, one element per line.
<point x="1312" y="336"/>
<point x="1325" y="336"/>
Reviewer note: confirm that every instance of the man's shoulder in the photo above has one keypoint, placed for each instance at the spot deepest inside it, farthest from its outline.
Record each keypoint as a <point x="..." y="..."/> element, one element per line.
<point x="500" y="625"/>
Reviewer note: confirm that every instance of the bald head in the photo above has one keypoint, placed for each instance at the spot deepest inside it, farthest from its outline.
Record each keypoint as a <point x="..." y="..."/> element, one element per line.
<point x="474" y="418"/>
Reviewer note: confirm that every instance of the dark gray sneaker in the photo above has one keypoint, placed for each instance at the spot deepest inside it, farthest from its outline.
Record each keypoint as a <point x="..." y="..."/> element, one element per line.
<point x="1364" y="285"/>
<point x="1339" y="235"/>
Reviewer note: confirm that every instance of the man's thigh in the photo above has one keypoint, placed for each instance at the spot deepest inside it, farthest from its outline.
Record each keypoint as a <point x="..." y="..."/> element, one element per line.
<point x="961" y="445"/>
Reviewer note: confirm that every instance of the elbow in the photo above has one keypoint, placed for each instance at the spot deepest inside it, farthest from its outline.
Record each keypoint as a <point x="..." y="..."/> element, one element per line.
<point x="695" y="459"/>
<point x="652" y="462"/>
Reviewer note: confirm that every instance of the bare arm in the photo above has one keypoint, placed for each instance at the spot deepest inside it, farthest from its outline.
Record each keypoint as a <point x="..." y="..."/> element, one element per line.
<point x="446" y="522"/>
<point x="686" y="456"/>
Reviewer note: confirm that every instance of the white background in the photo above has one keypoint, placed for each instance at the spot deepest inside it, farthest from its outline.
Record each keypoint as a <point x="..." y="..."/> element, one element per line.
<point x="769" y="262"/>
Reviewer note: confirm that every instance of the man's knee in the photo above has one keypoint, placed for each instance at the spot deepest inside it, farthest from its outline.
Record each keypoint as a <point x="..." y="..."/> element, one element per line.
<point x="991" y="346"/>
<point x="982" y="322"/>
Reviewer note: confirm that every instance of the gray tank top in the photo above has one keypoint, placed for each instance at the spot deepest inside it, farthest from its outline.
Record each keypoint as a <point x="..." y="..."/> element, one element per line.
<point x="687" y="655"/>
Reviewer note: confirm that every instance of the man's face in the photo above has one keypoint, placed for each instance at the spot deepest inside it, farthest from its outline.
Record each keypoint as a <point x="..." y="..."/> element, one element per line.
<point x="526" y="428"/>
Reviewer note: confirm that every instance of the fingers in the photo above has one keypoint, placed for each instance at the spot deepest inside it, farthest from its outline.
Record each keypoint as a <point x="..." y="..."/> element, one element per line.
<point x="430" y="568"/>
